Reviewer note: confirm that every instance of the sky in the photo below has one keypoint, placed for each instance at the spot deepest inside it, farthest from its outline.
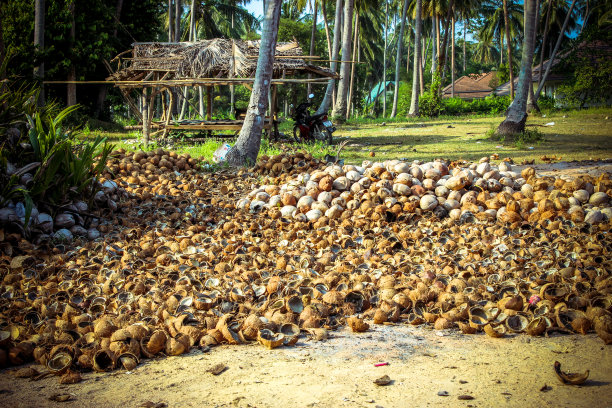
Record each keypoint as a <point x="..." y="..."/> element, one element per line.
<point x="255" y="7"/>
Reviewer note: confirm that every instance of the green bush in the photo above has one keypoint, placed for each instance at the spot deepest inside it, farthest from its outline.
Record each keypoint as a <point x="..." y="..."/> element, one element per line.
<point x="491" y="105"/>
<point x="403" y="99"/>
<point x="546" y="102"/>
<point x="63" y="167"/>
<point x="430" y="103"/>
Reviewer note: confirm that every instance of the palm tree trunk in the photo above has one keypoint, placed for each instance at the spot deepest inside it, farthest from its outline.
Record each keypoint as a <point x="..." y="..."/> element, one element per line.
<point x="434" y="47"/>
<point x="329" y="91"/>
<point x="177" y="20"/>
<point x="509" y="45"/>
<point x="247" y="145"/>
<point x="465" y="28"/>
<point x="355" y="40"/>
<point x="71" y="97"/>
<point x="532" y="105"/>
<point x="39" y="44"/>
<point x="421" y="66"/>
<point x="398" y="59"/>
<point x="384" y="81"/>
<point x="453" y="60"/>
<point x="312" y="39"/>
<point x="340" y="108"/>
<point x="517" y="112"/>
<point x="414" y="101"/>
<point x="554" y="53"/>
<point x="408" y="50"/>
<point x="543" y="46"/>
<point x="170" y="21"/>
<point x="327" y="36"/>
<point x="501" y="48"/>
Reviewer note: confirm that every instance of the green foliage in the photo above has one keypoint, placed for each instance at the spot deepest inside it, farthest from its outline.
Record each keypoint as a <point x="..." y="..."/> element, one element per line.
<point x="430" y="103"/>
<point x="403" y="99"/>
<point x="489" y="105"/>
<point x="546" y="102"/>
<point x="62" y="167"/>
<point x="503" y="73"/>
<point x="589" y="82"/>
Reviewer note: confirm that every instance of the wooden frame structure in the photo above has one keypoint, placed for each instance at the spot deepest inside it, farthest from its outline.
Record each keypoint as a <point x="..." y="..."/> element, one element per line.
<point x="162" y="69"/>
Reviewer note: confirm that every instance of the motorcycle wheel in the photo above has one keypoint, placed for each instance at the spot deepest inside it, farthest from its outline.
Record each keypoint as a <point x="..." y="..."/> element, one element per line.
<point x="297" y="135"/>
<point x="323" y="135"/>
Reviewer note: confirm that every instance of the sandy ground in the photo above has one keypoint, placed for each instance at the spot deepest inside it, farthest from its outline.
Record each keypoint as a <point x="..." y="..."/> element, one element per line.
<point x="339" y="372"/>
<point x="575" y="168"/>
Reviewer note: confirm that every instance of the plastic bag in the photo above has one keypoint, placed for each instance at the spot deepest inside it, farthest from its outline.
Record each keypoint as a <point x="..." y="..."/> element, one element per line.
<point x="220" y="154"/>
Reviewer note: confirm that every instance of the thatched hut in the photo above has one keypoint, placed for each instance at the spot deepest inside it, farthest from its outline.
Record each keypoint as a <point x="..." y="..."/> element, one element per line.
<point x="161" y="67"/>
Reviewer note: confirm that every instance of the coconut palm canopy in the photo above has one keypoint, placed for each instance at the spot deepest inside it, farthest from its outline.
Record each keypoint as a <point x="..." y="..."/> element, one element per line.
<point x="216" y="58"/>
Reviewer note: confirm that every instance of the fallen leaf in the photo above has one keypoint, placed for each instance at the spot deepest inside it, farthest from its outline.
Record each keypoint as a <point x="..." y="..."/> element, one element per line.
<point x="465" y="397"/>
<point x="443" y="394"/>
<point x="151" y="404"/>
<point x="545" y="388"/>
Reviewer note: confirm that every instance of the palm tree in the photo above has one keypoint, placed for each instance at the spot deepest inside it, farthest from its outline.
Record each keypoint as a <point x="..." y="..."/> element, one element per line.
<point x="339" y="111"/>
<point x="247" y="145"/>
<point x="494" y="25"/>
<point x="398" y="58"/>
<point x="414" y="101"/>
<point x="39" y="43"/>
<point x="517" y="112"/>
<point x="554" y="53"/>
<point x="327" y="98"/>
<point x="509" y="45"/>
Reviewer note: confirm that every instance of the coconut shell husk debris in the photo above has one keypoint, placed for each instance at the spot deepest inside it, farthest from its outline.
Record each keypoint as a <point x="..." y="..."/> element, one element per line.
<point x="190" y="264"/>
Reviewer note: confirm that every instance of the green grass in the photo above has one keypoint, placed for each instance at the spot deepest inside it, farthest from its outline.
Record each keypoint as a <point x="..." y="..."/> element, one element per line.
<point x="576" y="135"/>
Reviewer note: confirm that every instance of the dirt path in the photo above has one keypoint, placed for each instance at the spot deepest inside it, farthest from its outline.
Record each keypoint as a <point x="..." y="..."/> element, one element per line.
<point x="340" y="372"/>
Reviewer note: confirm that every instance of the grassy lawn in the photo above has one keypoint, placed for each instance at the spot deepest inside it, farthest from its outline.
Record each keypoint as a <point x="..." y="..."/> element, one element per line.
<point x="575" y="135"/>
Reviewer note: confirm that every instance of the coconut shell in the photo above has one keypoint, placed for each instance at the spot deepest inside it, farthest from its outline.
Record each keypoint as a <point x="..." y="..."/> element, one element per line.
<point x="357" y="325"/>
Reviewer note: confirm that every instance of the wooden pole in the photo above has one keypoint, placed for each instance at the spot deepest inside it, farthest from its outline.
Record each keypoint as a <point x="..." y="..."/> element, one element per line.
<point x="209" y="100"/>
<point x="145" y="116"/>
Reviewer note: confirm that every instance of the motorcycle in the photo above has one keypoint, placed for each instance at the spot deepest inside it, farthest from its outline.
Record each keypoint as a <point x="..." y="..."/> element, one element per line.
<point x="309" y="128"/>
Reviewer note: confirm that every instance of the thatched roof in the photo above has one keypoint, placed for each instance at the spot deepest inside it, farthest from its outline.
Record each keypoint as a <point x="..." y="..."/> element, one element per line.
<point x="471" y="86"/>
<point x="217" y="58"/>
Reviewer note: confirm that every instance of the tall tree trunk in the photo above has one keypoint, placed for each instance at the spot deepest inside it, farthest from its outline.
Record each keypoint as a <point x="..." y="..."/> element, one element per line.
<point x="170" y="21"/>
<point x="532" y="105"/>
<point x="465" y="28"/>
<point x="312" y="39"/>
<point x="408" y="50"/>
<point x="442" y="54"/>
<point x="355" y="44"/>
<point x="71" y="86"/>
<point x="39" y="45"/>
<point x="247" y="145"/>
<point x="192" y="20"/>
<point x="327" y="36"/>
<point x="543" y="46"/>
<point x="453" y="60"/>
<point x="501" y="48"/>
<point x="554" y="53"/>
<point x="517" y="112"/>
<point x="145" y="116"/>
<point x="398" y="59"/>
<point x="327" y="98"/>
<point x="339" y="111"/>
<point x="437" y="22"/>
<point x="434" y="47"/>
<point x="414" y="101"/>
<point x="103" y="90"/>
<point x="421" y="66"/>
<point x="509" y="45"/>
<point x="384" y="79"/>
<point x="178" y="11"/>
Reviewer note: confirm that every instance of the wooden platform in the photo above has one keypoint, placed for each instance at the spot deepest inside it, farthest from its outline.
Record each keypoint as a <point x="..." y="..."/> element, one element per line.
<point x="196" y="125"/>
